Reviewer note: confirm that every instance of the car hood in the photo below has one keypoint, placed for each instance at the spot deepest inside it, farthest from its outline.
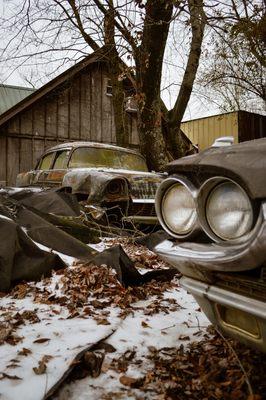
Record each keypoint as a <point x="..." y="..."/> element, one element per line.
<point x="245" y="162"/>
<point x="93" y="181"/>
<point x="124" y="172"/>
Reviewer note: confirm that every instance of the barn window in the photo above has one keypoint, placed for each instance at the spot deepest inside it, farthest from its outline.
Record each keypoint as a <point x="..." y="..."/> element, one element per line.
<point x="109" y="88"/>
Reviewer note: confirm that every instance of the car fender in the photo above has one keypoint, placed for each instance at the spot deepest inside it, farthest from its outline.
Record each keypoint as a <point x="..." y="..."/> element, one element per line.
<point x="93" y="183"/>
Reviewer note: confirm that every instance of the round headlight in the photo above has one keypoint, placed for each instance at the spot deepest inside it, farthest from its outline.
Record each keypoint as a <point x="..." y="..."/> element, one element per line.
<point x="229" y="211"/>
<point x="178" y="209"/>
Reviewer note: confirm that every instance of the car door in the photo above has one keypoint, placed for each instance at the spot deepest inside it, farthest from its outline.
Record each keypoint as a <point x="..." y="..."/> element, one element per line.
<point x="42" y="169"/>
<point x="59" y="167"/>
<point x="52" y="168"/>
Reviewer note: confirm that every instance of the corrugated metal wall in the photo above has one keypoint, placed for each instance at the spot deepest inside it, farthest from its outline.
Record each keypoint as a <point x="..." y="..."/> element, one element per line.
<point x="204" y="131"/>
<point x="11" y="95"/>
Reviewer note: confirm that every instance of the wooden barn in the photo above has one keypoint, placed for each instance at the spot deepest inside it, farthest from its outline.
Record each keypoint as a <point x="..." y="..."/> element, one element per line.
<point x="76" y="105"/>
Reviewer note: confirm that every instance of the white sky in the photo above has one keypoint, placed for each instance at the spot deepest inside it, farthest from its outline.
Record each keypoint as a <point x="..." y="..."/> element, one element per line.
<point x="173" y="68"/>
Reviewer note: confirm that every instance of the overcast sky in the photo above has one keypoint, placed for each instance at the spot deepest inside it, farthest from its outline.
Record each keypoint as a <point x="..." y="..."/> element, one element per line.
<point x="175" y="60"/>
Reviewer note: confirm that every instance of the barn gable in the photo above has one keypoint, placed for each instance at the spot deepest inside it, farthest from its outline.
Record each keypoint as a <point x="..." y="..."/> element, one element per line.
<point x="76" y="105"/>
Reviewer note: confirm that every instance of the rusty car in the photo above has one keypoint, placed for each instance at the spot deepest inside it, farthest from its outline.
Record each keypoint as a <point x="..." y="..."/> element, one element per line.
<point x="109" y="181"/>
<point x="213" y="206"/>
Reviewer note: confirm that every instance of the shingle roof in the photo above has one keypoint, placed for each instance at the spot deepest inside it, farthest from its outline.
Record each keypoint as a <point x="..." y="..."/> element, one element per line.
<point x="11" y="95"/>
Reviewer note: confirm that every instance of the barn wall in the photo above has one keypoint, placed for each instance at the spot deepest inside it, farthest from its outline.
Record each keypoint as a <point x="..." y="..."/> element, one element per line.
<point x="251" y="126"/>
<point x="78" y="110"/>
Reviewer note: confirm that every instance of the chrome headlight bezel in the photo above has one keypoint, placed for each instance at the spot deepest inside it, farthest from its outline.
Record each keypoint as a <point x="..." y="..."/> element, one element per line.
<point x="204" y="194"/>
<point x="162" y="190"/>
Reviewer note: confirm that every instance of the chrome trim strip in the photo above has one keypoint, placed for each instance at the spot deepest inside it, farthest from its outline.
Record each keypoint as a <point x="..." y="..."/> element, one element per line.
<point x="141" y="219"/>
<point x="224" y="297"/>
<point x="225" y="256"/>
<point x="144" y="201"/>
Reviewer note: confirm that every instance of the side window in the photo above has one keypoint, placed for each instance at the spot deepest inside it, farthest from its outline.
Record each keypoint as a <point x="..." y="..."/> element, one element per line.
<point x="46" y="161"/>
<point x="61" y="159"/>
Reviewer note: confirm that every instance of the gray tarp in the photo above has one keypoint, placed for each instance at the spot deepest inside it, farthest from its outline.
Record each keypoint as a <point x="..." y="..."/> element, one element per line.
<point x="21" y="259"/>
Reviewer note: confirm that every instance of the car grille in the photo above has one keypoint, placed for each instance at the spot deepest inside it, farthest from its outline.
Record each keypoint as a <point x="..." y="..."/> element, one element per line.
<point x="147" y="210"/>
<point x="143" y="189"/>
<point x="249" y="286"/>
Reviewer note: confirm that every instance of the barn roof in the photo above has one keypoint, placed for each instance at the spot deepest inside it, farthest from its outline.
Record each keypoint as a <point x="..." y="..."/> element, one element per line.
<point x="51" y="85"/>
<point x="11" y="95"/>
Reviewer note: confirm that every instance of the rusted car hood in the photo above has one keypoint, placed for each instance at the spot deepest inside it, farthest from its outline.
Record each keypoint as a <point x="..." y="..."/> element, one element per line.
<point x="94" y="180"/>
<point x="121" y="172"/>
<point x="245" y="162"/>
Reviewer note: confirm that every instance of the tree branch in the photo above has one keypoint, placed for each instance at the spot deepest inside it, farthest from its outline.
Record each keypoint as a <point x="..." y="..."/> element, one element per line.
<point x="198" y="21"/>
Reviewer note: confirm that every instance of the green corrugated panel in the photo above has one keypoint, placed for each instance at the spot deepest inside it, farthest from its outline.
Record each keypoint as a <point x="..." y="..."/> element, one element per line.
<point x="11" y="95"/>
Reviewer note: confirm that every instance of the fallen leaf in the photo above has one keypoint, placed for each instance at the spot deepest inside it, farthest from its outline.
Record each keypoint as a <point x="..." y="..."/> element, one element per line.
<point x="184" y="337"/>
<point x="24" y="352"/>
<point x="145" y="325"/>
<point x="41" y="368"/>
<point x="41" y="340"/>
<point x="12" y="377"/>
<point x="132" y="382"/>
<point x="127" y="380"/>
<point x="102" y="321"/>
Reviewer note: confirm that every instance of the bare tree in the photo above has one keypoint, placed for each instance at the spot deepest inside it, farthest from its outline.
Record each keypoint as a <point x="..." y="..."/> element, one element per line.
<point x="236" y="73"/>
<point x="131" y="35"/>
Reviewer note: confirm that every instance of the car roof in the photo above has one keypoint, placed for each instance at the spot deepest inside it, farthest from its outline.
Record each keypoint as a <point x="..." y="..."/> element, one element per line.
<point x="91" y="144"/>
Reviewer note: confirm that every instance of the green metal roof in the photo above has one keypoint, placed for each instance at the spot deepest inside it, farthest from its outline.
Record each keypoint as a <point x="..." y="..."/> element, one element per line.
<point x="11" y="95"/>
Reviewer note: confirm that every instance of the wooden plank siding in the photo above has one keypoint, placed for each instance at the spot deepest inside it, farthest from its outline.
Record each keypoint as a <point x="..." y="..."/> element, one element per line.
<point x="3" y="162"/>
<point x="78" y="109"/>
<point x="85" y="106"/>
<point x="13" y="159"/>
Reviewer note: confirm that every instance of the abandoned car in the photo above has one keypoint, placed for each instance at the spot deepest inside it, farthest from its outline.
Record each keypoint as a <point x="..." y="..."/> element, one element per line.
<point x="213" y="205"/>
<point x="109" y="180"/>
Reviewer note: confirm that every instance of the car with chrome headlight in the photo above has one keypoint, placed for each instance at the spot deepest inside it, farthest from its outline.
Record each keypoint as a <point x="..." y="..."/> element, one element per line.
<point x="112" y="183"/>
<point x="213" y="206"/>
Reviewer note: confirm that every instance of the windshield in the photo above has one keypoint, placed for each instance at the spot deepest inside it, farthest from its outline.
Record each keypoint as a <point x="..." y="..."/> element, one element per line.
<point x="89" y="157"/>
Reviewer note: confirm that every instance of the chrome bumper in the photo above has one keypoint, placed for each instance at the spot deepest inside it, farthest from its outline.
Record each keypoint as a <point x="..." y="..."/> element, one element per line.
<point x="224" y="297"/>
<point x="248" y="323"/>
<point x="237" y="256"/>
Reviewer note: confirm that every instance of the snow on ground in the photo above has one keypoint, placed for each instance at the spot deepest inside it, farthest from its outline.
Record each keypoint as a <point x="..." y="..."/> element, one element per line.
<point x="140" y="333"/>
<point x="44" y="326"/>
<point x="47" y="338"/>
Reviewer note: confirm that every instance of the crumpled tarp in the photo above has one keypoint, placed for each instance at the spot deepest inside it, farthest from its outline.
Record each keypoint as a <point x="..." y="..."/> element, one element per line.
<point x="55" y="202"/>
<point x="24" y="215"/>
<point x="127" y="273"/>
<point x="20" y="258"/>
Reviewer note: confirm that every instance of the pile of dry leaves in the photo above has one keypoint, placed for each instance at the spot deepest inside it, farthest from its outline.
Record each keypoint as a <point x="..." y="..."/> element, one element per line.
<point x="212" y="369"/>
<point x="87" y="291"/>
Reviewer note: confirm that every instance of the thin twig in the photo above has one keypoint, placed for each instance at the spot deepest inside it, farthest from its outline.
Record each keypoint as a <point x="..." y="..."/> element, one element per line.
<point x="238" y="360"/>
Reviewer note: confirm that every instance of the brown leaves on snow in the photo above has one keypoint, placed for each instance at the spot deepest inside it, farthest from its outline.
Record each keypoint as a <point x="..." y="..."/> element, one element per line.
<point x="42" y="365"/>
<point x="88" y="291"/>
<point x="205" y="370"/>
<point x="11" y="321"/>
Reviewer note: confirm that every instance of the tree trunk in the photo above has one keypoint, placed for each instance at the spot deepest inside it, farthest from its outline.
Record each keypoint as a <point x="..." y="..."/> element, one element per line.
<point x="114" y="69"/>
<point x="149" y="59"/>
<point x="152" y="143"/>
